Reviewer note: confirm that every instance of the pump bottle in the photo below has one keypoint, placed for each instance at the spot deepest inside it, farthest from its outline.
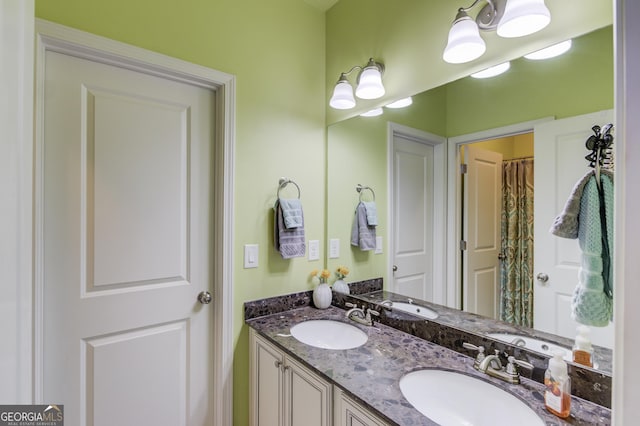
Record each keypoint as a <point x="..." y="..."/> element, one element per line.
<point x="582" y="349"/>
<point x="557" y="396"/>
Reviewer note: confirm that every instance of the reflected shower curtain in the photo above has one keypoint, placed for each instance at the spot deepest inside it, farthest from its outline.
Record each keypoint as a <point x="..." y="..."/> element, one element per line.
<point x="516" y="287"/>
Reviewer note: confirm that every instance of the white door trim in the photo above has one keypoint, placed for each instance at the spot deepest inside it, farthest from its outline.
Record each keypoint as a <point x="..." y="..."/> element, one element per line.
<point x="454" y="234"/>
<point x="439" y="202"/>
<point x="58" y="38"/>
<point x="16" y="158"/>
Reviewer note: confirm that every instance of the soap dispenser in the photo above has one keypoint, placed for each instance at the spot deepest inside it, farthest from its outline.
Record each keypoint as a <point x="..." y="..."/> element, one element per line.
<point x="582" y="349"/>
<point x="557" y="396"/>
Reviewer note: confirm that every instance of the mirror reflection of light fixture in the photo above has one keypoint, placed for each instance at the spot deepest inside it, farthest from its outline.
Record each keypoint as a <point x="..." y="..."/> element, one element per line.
<point x="551" y="51"/>
<point x="400" y="103"/>
<point x="492" y="71"/>
<point x="510" y="18"/>
<point x="373" y="113"/>
<point x="369" y="86"/>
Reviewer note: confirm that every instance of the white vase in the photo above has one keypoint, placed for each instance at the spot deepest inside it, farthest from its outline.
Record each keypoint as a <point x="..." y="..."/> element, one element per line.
<point x="341" y="287"/>
<point x="322" y="296"/>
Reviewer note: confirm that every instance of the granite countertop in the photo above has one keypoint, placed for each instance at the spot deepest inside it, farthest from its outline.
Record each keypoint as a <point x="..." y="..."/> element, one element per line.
<point x="371" y="373"/>
<point x="483" y="325"/>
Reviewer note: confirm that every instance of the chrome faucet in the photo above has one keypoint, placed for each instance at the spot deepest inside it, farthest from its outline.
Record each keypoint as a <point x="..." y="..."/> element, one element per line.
<point x="491" y="364"/>
<point x="360" y="315"/>
<point x="519" y="341"/>
<point x="388" y="303"/>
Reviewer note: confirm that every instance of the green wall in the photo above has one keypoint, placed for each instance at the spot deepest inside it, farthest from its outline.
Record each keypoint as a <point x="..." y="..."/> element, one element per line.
<point x="575" y="83"/>
<point x="357" y="154"/>
<point x="276" y="50"/>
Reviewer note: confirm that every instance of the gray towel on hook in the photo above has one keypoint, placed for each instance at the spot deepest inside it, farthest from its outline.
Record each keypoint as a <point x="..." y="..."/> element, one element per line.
<point x="289" y="242"/>
<point x="362" y="234"/>
<point x="565" y="225"/>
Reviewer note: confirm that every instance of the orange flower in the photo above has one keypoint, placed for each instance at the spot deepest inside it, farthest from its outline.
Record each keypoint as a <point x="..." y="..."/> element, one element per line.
<point x="342" y="272"/>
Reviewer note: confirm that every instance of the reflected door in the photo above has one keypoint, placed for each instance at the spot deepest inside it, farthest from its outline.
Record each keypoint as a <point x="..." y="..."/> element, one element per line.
<point x="481" y="230"/>
<point x="412" y="217"/>
<point x="126" y="230"/>
<point x="559" y="151"/>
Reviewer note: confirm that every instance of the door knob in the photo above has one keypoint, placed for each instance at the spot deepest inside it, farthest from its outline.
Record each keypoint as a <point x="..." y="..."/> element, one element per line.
<point x="502" y="256"/>
<point x="542" y="277"/>
<point x="204" y="297"/>
<point x="395" y="268"/>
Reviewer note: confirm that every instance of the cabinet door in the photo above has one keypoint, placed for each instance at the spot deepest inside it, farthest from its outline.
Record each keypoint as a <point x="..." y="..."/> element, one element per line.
<point x="267" y="364"/>
<point x="347" y="412"/>
<point x="307" y="397"/>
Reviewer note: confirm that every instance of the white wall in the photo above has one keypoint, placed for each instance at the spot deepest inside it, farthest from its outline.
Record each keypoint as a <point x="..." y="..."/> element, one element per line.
<point x="16" y="125"/>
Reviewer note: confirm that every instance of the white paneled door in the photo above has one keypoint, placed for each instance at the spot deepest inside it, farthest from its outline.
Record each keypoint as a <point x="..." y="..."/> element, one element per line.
<point x="412" y="217"/>
<point x="126" y="208"/>
<point x="560" y="163"/>
<point x="482" y="199"/>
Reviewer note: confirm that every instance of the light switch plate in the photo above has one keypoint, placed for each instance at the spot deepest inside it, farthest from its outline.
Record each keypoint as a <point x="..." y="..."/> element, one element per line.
<point x="378" y="245"/>
<point x="250" y="256"/>
<point x="334" y="248"/>
<point x="314" y="249"/>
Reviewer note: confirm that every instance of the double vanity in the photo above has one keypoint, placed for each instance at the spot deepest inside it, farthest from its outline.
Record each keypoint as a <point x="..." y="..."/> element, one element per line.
<point x="330" y="367"/>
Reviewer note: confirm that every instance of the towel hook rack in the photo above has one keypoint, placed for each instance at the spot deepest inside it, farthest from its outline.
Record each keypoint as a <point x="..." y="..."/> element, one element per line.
<point x="284" y="182"/>
<point x="361" y="188"/>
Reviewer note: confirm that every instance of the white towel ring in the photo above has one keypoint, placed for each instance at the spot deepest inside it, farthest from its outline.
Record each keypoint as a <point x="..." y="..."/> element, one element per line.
<point x="284" y="182"/>
<point x="361" y="188"/>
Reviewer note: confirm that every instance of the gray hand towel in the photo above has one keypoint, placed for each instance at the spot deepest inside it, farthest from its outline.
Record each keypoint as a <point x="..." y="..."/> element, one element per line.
<point x="565" y="225"/>
<point x="289" y="242"/>
<point x="362" y="235"/>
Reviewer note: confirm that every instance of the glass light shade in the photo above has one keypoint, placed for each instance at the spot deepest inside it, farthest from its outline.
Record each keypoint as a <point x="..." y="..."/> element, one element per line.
<point x="373" y="113"/>
<point x="523" y="17"/>
<point x="400" y="103"/>
<point x="342" y="96"/>
<point x="465" y="43"/>
<point x="492" y="71"/>
<point x="551" y="51"/>
<point x="370" y="84"/>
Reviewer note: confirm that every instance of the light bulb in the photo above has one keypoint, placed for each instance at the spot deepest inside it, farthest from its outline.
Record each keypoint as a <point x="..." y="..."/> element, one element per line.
<point x="464" y="43"/>
<point x="342" y="95"/>
<point x="370" y="82"/>
<point x="523" y="17"/>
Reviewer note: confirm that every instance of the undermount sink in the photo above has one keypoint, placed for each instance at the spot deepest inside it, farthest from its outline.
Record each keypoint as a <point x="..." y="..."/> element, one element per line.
<point x="414" y="309"/>
<point x="449" y="398"/>
<point x="533" y="343"/>
<point x="328" y="334"/>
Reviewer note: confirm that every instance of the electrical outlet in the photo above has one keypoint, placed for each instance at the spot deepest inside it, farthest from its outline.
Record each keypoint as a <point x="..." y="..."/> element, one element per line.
<point x="314" y="250"/>
<point x="334" y="248"/>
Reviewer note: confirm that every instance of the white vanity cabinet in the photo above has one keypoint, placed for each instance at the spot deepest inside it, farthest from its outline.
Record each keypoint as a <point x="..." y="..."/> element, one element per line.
<point x="284" y="392"/>
<point x="348" y="412"/>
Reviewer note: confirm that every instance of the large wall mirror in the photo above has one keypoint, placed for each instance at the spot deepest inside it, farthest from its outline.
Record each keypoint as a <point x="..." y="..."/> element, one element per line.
<point x="446" y="122"/>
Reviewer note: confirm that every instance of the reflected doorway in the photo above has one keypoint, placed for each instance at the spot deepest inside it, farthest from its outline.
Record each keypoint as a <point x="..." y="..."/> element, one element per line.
<point x="497" y="228"/>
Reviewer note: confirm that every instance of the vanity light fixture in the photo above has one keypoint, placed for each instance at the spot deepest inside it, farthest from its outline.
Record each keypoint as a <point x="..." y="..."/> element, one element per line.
<point x="369" y="86"/>
<point x="551" y="51"/>
<point x="510" y="18"/>
<point x="492" y="71"/>
<point x="400" y="103"/>
<point x="373" y="113"/>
